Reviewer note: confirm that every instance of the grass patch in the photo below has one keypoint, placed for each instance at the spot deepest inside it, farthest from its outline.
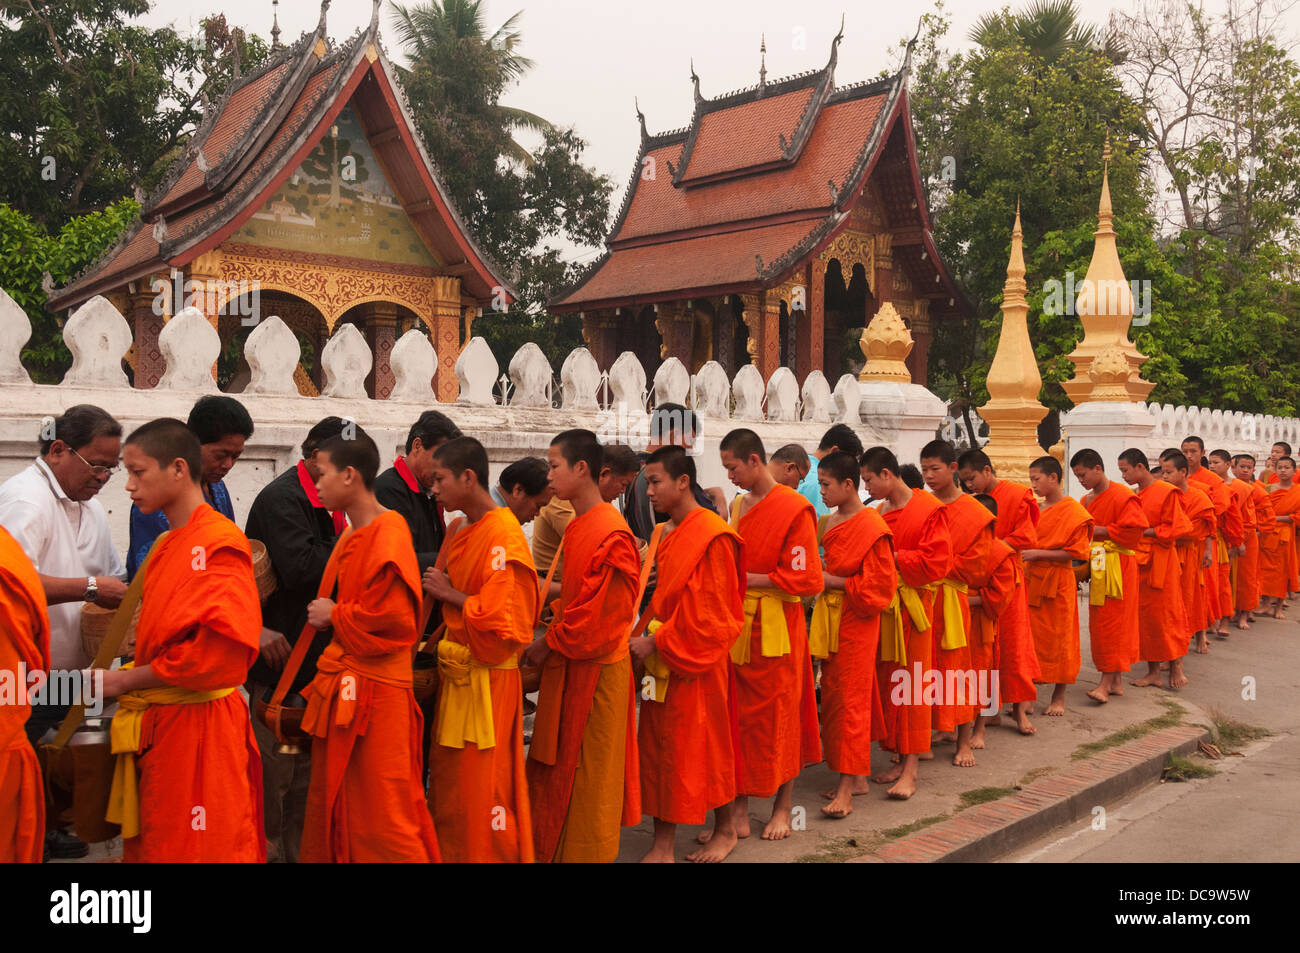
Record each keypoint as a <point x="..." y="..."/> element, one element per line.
<point x="1185" y="769"/>
<point x="1173" y="716"/>
<point x="1034" y="775"/>
<point x="842" y="849"/>
<point x="1231" y="733"/>
<point x="983" y="796"/>
<point x="894" y="833"/>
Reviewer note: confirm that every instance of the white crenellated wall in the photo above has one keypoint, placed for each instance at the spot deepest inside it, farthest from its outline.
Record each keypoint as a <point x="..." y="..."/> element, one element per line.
<point x="514" y="414"/>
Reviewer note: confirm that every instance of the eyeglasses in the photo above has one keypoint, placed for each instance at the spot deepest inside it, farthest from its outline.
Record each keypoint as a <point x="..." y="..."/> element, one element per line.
<point x="97" y="471"/>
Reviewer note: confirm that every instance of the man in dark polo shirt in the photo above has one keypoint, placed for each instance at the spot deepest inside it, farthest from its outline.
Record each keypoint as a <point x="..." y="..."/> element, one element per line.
<point x="405" y="485"/>
<point x="299" y="534"/>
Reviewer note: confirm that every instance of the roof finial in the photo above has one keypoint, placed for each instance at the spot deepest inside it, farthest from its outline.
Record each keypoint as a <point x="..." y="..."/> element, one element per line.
<point x="911" y="45"/>
<point x="641" y="118"/>
<point x="320" y="26"/>
<point x="835" y="45"/>
<point x="695" y="80"/>
<point x="374" y="16"/>
<point x="1104" y="211"/>
<point x="275" y="25"/>
<point x="762" y="63"/>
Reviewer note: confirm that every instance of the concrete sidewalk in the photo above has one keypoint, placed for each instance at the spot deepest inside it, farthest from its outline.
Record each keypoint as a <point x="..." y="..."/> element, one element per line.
<point x="1021" y="787"/>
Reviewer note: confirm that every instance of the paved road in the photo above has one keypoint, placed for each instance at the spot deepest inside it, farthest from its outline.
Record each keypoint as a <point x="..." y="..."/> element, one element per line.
<point x="1249" y="811"/>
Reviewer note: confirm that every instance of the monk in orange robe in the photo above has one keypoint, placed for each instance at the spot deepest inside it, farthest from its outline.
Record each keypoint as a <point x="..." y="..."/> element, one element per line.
<point x="859" y="574"/>
<point x="1237" y="533"/>
<point x="1272" y="552"/>
<point x="1064" y="535"/>
<point x="1001" y="592"/>
<point x="489" y="594"/>
<point x="188" y="780"/>
<point x="1228" y="527"/>
<point x="582" y="763"/>
<point x="922" y="557"/>
<point x="970" y="528"/>
<point x="1196" y="549"/>
<point x="1248" y="587"/>
<point x="1118" y="522"/>
<point x="24" y="647"/>
<point x="1162" y="622"/>
<point x="775" y="695"/>
<point x="1280" y="449"/>
<point x="1017" y="522"/>
<point x="365" y="802"/>
<point x="1284" y="496"/>
<point x="688" y="717"/>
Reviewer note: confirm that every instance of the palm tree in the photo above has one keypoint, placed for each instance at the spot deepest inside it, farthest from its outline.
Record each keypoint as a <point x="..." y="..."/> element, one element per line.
<point x="1047" y="28"/>
<point x="442" y="36"/>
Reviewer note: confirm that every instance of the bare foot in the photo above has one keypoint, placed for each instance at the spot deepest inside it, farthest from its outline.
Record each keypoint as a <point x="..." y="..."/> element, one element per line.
<point x="740" y="826"/>
<point x="1202" y="644"/>
<point x="657" y="856"/>
<point x="716" y="850"/>
<point x="1277" y="612"/>
<point x="904" y="789"/>
<point x="861" y="785"/>
<point x="993" y="722"/>
<point x="926" y="755"/>
<point x="839" y="808"/>
<point x="964" y="758"/>
<point x="1149" y="680"/>
<point x="778" y="828"/>
<point x="944" y="738"/>
<point x="977" y="736"/>
<point x="1056" y="708"/>
<point x="1242" y="622"/>
<point x="890" y="776"/>
<point x="1023" y="725"/>
<point x="1099" y="696"/>
<point x="1118" y="687"/>
<point x="1177" y="679"/>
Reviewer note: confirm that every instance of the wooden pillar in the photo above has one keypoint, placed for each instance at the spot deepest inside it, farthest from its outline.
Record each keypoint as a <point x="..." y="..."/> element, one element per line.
<point x="815" y="321"/>
<point x="600" y="334"/>
<point x="147" y="320"/>
<point x="884" y="260"/>
<point x="675" y="323"/>
<point x="724" y="335"/>
<point x="763" y="318"/>
<point x="444" y="332"/>
<point x="380" y="318"/>
<point x="919" y="359"/>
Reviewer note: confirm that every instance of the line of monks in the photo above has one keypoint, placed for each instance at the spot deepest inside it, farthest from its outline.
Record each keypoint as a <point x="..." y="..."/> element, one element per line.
<point x="930" y="611"/>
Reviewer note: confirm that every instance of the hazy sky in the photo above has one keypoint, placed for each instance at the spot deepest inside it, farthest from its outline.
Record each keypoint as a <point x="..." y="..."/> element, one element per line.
<point x="592" y="58"/>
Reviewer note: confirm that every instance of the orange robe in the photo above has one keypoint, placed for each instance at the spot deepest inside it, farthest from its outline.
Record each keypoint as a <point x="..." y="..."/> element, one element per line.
<point x="1248" y="565"/>
<point x="1198" y="581"/>
<point x="365" y="802"/>
<point x="1053" y="590"/>
<point x="1228" y="527"/>
<point x="199" y="629"/>
<point x="1017" y="525"/>
<point x="24" y="645"/>
<point x="775" y="696"/>
<point x="1001" y="591"/>
<point x="687" y="740"/>
<point x="1162" y="621"/>
<point x="582" y="763"/>
<point x="1270" y="549"/>
<point x="970" y="527"/>
<point x="1113" y="625"/>
<point x="1286" y="503"/>
<point x="479" y="796"/>
<point x="858" y="549"/>
<point x="923" y="556"/>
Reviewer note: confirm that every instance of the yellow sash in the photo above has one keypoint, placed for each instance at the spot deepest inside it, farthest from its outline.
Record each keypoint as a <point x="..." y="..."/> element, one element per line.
<point x="465" y="697"/>
<point x="775" y="633"/>
<point x="657" y="669"/>
<point x="1107" y="580"/>
<point x="954" y="624"/>
<point x="1222" y="548"/>
<point x="893" y="640"/>
<point x="824" y="633"/>
<point x="125" y="733"/>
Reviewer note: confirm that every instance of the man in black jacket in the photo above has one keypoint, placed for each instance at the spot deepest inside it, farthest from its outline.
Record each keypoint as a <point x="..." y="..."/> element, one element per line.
<point x="405" y="486"/>
<point x="299" y="534"/>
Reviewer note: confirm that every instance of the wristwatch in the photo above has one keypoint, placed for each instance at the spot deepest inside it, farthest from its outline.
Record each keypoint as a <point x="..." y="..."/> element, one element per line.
<point x="92" y="590"/>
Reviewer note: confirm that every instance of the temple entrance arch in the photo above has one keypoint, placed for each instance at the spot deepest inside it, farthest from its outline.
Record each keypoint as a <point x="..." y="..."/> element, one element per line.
<point x="299" y="315"/>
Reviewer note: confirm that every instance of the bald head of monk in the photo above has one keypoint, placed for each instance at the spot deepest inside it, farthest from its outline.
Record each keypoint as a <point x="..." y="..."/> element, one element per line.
<point x="1045" y="475"/>
<point x="745" y="460"/>
<point x="1174" y="467"/>
<point x="939" y="468"/>
<point x="879" y="469"/>
<point x="163" y="462"/>
<point x="460" y="474"/>
<point x="1135" y="468"/>
<point x="1089" y="470"/>
<point x="976" y="472"/>
<point x="1220" y="463"/>
<point x="1285" y="468"/>
<point x="1193" y="448"/>
<point x="1243" y="467"/>
<point x="348" y="465"/>
<point x="669" y="474"/>
<point x="838" y="476"/>
<point x="573" y="468"/>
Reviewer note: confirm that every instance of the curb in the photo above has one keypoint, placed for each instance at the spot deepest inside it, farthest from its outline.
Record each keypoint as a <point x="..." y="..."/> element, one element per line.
<point x="987" y="831"/>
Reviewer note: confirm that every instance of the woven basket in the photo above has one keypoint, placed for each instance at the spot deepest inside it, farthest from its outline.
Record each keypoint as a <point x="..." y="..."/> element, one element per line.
<point x="262" y="569"/>
<point x="95" y="622"/>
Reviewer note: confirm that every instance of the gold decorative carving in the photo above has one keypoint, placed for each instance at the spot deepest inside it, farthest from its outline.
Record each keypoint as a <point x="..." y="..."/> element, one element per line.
<point x="319" y="49"/>
<point x="885" y="343"/>
<point x="753" y="318"/>
<point x="884" y="248"/>
<point x="853" y="248"/>
<point x="372" y="54"/>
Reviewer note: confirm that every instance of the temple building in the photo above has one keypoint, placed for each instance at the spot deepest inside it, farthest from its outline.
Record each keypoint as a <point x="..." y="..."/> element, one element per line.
<point x="770" y="230"/>
<point x="305" y="193"/>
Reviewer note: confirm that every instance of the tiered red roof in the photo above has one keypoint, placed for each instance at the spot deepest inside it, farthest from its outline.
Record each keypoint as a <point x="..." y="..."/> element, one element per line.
<point x="761" y="181"/>
<point x="250" y="143"/>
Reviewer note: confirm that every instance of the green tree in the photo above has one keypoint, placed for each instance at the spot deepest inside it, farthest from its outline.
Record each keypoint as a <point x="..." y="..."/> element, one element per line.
<point x="518" y="203"/>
